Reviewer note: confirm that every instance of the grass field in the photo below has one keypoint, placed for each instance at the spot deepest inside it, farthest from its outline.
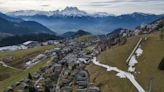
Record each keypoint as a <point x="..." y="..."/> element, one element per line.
<point x="115" y="56"/>
<point x="18" y="57"/>
<point x="90" y="48"/>
<point x="18" y="75"/>
<point x="84" y="38"/>
<point x="149" y="61"/>
<point x="147" y="66"/>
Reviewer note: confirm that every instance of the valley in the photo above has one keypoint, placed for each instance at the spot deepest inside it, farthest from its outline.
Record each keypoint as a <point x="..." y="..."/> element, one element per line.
<point x="73" y="50"/>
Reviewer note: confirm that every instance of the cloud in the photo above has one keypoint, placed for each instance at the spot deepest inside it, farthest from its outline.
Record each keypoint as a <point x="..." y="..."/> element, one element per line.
<point x="110" y="6"/>
<point x="118" y="1"/>
<point x="45" y="5"/>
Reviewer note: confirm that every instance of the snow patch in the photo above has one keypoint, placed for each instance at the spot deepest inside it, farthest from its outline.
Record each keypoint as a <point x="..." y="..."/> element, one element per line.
<point x="131" y="69"/>
<point x="132" y="63"/>
<point x="139" y="52"/>
<point x="120" y="75"/>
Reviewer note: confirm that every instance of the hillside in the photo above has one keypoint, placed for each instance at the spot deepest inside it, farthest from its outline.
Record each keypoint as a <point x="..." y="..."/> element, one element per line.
<point x="68" y="34"/>
<point x="79" y="33"/>
<point x="4" y="35"/>
<point x="18" y="39"/>
<point x="10" y="18"/>
<point x="146" y="70"/>
<point x="19" y="57"/>
<point x="11" y="26"/>
<point x="15" y="75"/>
<point x="74" y="19"/>
<point x="150" y="62"/>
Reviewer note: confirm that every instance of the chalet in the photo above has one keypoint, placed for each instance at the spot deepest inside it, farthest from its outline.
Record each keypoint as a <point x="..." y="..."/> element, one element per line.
<point x="137" y="31"/>
<point x="67" y="89"/>
<point x="94" y="89"/>
<point x="26" y="80"/>
<point x="24" y="85"/>
<point x="52" y="87"/>
<point x="65" y="82"/>
<point x="15" y="84"/>
<point x="57" y="67"/>
<point x="39" y="88"/>
<point x="81" y="90"/>
<point x="82" y="84"/>
<point x="55" y="76"/>
<point x="52" y="42"/>
<point x="31" y="44"/>
<point x="35" y="60"/>
<point x="9" y="89"/>
<point x="84" y="60"/>
<point x="12" y="48"/>
<point x="82" y="79"/>
<point x="71" y="65"/>
<point x="36" y="75"/>
<point x="66" y="72"/>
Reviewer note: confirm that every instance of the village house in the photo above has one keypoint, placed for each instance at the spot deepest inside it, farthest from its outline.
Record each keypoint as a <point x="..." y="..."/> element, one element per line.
<point x="93" y="89"/>
<point x="82" y="79"/>
<point x="31" y="44"/>
<point x="82" y="90"/>
<point x="9" y="89"/>
<point x="67" y="89"/>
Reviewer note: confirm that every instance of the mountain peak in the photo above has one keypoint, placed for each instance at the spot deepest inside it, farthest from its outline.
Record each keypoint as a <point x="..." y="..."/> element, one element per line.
<point x="72" y="11"/>
<point x="71" y="8"/>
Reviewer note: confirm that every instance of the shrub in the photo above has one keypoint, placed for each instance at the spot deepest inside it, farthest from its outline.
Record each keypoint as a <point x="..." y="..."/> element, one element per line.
<point x="161" y="65"/>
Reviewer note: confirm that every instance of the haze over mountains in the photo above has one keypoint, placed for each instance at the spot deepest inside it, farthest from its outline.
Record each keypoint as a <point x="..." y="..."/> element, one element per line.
<point x="73" y="19"/>
<point x="18" y="26"/>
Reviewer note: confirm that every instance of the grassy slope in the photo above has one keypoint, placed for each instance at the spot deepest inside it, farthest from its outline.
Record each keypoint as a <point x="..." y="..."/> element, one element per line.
<point x="84" y="38"/>
<point x="115" y="56"/>
<point x="148" y="66"/>
<point x="90" y="48"/>
<point x="21" y="74"/>
<point x="153" y="53"/>
<point x="21" y="54"/>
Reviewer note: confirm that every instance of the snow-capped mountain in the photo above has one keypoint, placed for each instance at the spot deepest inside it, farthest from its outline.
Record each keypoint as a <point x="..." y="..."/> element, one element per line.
<point x="72" y="11"/>
<point x="30" y="13"/>
<point x="102" y="14"/>
<point x="73" y="19"/>
<point x="68" y="11"/>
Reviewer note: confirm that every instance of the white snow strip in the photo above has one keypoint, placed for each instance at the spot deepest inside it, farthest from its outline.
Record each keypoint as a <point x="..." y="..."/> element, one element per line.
<point x="132" y="63"/>
<point x="121" y="74"/>
<point x="139" y="52"/>
<point x="131" y="69"/>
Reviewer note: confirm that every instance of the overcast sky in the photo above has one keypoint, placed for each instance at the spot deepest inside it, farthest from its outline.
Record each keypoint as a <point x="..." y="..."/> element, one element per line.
<point x="110" y="6"/>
